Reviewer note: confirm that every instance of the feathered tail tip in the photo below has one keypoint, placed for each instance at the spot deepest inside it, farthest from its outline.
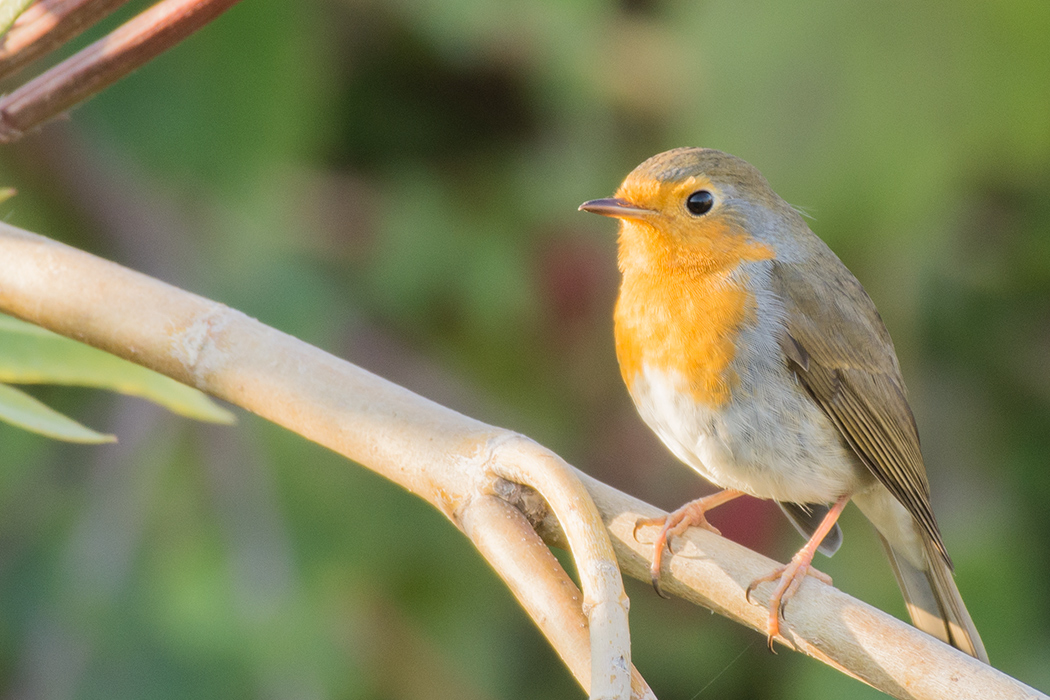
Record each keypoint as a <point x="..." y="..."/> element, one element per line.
<point x="933" y="601"/>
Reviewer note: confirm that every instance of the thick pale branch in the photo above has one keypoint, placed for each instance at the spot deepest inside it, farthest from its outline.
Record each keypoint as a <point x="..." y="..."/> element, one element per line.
<point x="454" y="461"/>
<point x="822" y="621"/>
<point x="438" y="454"/>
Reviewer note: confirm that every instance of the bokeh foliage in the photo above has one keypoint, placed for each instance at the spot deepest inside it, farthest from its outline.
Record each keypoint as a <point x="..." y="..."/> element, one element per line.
<point x="397" y="182"/>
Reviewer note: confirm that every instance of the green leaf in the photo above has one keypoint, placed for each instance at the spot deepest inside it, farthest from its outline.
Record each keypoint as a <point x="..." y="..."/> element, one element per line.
<point x="7" y="193"/>
<point x="32" y="355"/>
<point x="22" y="410"/>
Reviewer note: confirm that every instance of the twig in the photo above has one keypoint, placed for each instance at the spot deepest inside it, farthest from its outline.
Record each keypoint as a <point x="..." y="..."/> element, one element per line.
<point x="47" y="25"/>
<point x="451" y="460"/>
<point x="10" y="10"/>
<point x="104" y="62"/>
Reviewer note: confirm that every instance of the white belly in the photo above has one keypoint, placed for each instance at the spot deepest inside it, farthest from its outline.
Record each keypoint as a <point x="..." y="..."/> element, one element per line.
<point x="775" y="443"/>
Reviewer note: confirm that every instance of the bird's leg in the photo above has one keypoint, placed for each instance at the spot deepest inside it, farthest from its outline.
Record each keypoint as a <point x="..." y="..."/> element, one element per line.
<point x="674" y="524"/>
<point x="790" y="577"/>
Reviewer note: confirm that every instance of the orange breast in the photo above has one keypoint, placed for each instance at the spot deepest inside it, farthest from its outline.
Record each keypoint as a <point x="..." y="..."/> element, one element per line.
<point x="683" y="313"/>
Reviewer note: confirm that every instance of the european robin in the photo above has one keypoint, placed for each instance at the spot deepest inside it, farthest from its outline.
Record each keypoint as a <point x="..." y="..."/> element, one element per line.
<point x="762" y="363"/>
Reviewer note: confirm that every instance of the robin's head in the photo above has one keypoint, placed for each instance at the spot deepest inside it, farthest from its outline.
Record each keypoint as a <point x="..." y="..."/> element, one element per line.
<point x="694" y="202"/>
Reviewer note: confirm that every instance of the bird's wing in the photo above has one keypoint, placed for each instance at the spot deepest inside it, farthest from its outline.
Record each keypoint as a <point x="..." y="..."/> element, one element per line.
<point x="841" y="352"/>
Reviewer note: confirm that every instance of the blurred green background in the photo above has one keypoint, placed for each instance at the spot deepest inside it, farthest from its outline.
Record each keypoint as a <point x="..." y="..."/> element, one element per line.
<point x="397" y="182"/>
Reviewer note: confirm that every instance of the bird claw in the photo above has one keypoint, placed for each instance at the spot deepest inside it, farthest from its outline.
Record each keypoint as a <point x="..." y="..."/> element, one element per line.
<point x="750" y="589"/>
<point x="789" y="579"/>
<point x="645" y="522"/>
<point x="676" y="523"/>
<point x="671" y="526"/>
<point x="656" y="586"/>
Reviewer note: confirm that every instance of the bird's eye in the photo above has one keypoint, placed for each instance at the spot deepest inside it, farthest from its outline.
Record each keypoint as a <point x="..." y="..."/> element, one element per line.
<point x="700" y="202"/>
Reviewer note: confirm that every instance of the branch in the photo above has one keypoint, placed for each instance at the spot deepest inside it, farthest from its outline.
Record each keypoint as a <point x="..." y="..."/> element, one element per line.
<point x="508" y="541"/>
<point x="10" y="10"/>
<point x="440" y="455"/>
<point x="466" y="469"/>
<point x="47" y="25"/>
<point x="822" y="621"/>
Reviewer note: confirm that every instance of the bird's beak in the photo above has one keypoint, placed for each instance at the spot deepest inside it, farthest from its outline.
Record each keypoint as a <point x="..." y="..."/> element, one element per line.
<point x="616" y="208"/>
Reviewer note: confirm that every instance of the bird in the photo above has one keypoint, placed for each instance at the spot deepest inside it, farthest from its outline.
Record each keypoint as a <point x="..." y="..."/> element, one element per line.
<point x="760" y="361"/>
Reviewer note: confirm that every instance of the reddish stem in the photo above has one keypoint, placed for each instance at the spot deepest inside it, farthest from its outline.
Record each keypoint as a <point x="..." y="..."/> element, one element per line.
<point x="45" y="26"/>
<point x="104" y="62"/>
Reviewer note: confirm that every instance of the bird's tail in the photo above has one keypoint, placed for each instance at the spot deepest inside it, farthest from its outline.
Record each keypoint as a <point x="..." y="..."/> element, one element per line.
<point x="933" y="601"/>
<point x="923" y="573"/>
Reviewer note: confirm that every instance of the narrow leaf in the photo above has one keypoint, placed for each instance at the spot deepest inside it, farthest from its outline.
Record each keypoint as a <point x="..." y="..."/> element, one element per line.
<point x="22" y="410"/>
<point x="32" y="355"/>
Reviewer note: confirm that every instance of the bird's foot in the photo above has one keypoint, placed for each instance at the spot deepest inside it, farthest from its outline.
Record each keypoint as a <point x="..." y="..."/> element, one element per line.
<point x="789" y="578"/>
<point x="674" y="524"/>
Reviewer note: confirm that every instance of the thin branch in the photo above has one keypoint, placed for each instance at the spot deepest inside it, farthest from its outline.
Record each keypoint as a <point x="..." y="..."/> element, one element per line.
<point x="10" y="10"/>
<point x="523" y="461"/>
<point x="47" y="25"/>
<point x="434" y="452"/>
<point x="104" y="62"/>
<point x="455" y="462"/>
<point x="504" y="537"/>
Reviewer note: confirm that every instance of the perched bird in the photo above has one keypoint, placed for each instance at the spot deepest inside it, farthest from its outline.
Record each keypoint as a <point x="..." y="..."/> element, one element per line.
<point x="762" y="363"/>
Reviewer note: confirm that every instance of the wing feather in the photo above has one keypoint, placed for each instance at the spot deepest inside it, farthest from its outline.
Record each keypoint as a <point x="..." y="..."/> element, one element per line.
<point x="834" y="329"/>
